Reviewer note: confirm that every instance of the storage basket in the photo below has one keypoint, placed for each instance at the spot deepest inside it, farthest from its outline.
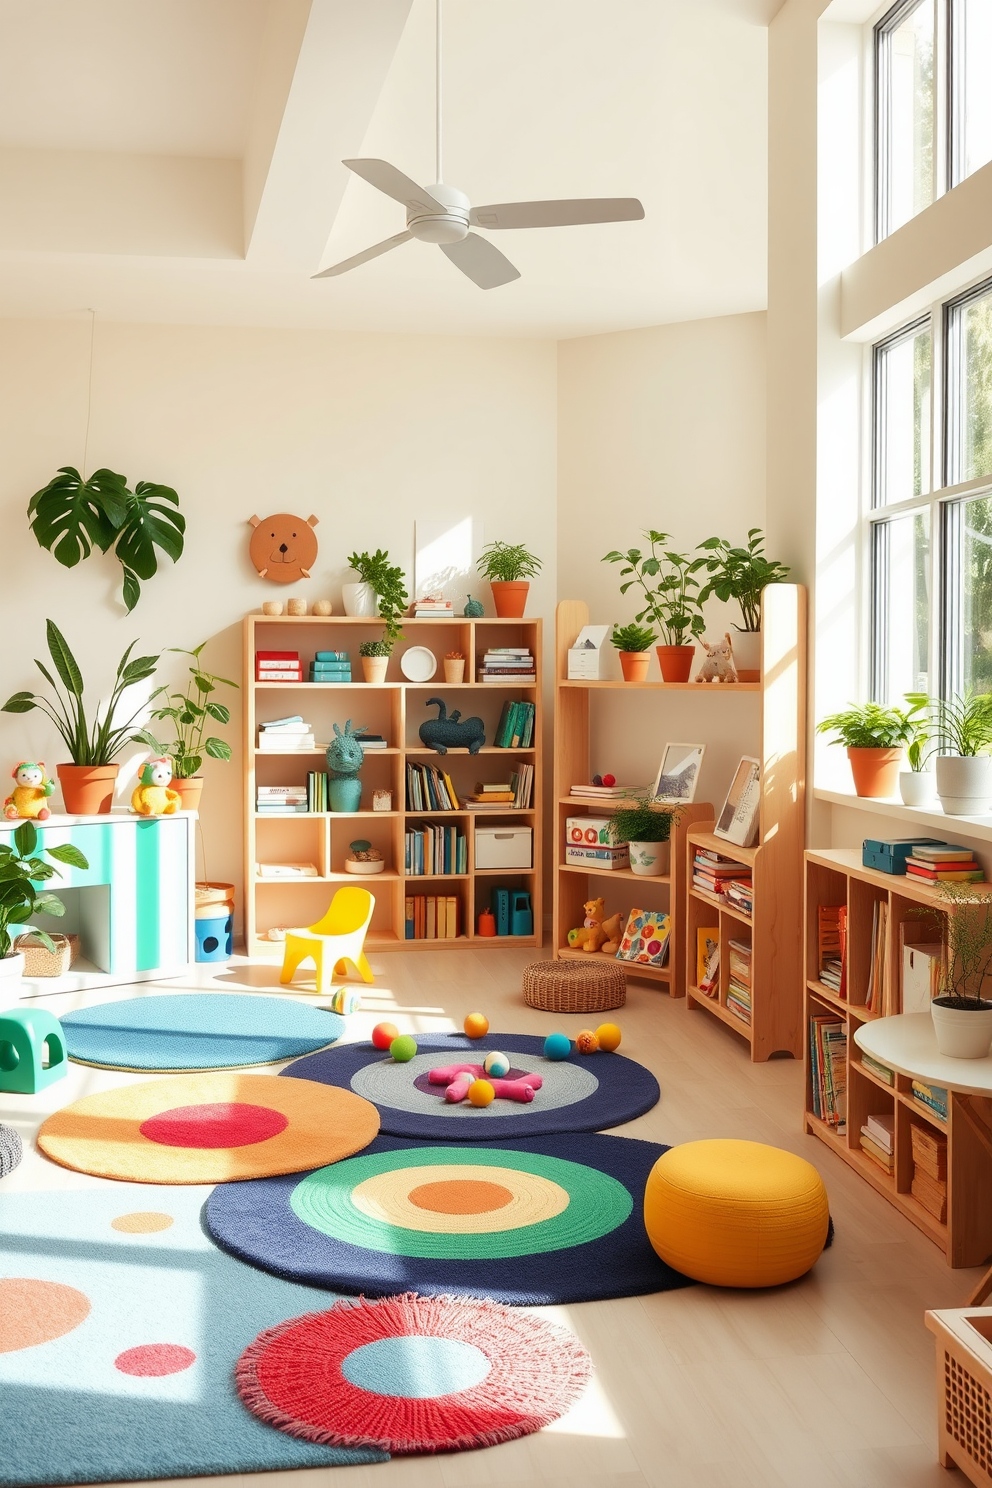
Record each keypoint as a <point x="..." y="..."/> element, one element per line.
<point x="39" y="961"/>
<point x="964" y="1383"/>
<point x="574" y="986"/>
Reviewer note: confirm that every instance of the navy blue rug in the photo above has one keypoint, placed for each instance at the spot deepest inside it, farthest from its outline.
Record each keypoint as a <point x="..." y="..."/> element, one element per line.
<point x="584" y="1093"/>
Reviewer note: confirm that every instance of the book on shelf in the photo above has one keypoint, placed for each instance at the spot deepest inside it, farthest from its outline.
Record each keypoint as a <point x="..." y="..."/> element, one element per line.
<point x="921" y="874"/>
<point x="828" y="1070"/>
<point x="293" y="721"/>
<point x="932" y="1096"/>
<point x="432" y="917"/>
<point x="599" y="858"/>
<point x="739" y="1001"/>
<point x="876" y="1068"/>
<point x="739" y="959"/>
<point x="930" y="1194"/>
<point x="877" y="991"/>
<point x="882" y="1159"/>
<point x="515" y="729"/>
<point x="881" y="1127"/>
<point x="276" y="743"/>
<point x="524" y="678"/>
<point x="429" y="788"/>
<point x="278" y="666"/>
<point x="286" y="870"/>
<point x="431" y="848"/>
<point x="490" y="793"/>
<point x="929" y="1150"/>
<point x="740" y="895"/>
<point x="708" y="959"/>
<point x="602" y="792"/>
<point x="317" y="794"/>
<point x="645" y="938"/>
<point x="831" y="931"/>
<point x="372" y="741"/>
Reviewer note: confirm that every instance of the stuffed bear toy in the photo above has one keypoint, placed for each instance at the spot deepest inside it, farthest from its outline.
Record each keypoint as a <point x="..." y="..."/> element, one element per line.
<point x="719" y="663"/>
<point x="29" y="798"/>
<point x="152" y="796"/>
<point x="590" y="937"/>
<point x="613" y="930"/>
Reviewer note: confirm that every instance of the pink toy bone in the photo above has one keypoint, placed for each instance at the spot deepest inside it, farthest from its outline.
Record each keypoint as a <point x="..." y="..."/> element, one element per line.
<point x="458" y="1078"/>
<point x="447" y="1073"/>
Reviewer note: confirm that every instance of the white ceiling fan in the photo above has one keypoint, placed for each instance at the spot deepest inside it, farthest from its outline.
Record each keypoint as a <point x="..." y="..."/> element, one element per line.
<point x="443" y="214"/>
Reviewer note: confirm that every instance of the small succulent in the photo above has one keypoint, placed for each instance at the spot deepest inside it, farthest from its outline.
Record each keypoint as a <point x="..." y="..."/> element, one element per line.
<point x="363" y="852"/>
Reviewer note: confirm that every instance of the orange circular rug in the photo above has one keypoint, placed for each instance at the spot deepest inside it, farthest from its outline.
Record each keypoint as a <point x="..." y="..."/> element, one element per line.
<point x="209" y="1128"/>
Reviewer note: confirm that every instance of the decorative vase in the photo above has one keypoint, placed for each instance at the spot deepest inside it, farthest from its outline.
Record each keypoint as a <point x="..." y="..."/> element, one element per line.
<point x="296" y="606"/>
<point x="88" y="790"/>
<point x="359" y="599"/>
<point x="634" y="665"/>
<point x="272" y="607"/>
<point x="510" y="597"/>
<point x="917" y="787"/>
<point x="964" y="783"/>
<point x="374" y="668"/>
<point x="11" y="978"/>
<point x="675" y="662"/>
<point x="650" y="859"/>
<point x="345" y="794"/>
<point x="360" y="866"/>
<point x="962" y="1033"/>
<point x="190" y="790"/>
<point x="454" y="670"/>
<point x="875" y="771"/>
<point x="746" y="646"/>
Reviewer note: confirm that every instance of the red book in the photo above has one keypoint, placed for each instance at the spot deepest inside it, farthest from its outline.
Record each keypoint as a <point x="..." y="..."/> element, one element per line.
<point x="277" y="655"/>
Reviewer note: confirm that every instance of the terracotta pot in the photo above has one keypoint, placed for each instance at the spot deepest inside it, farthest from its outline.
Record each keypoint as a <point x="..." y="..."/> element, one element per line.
<point x="87" y="790"/>
<point x="875" y="771"/>
<point x="634" y="665"/>
<point x="190" y="790"/>
<point x="454" y="671"/>
<point x="510" y="597"/>
<point x="675" y="662"/>
<point x="374" y="668"/>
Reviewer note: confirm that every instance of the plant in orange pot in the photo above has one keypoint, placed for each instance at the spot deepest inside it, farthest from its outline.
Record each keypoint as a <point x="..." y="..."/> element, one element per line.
<point x="509" y="568"/>
<point x="191" y="713"/>
<point x="634" y="644"/>
<point x="671" y="593"/>
<point x="875" y="738"/>
<point x="88" y="778"/>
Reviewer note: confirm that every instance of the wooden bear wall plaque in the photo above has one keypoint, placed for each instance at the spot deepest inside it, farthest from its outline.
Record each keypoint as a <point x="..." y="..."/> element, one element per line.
<point x="283" y="548"/>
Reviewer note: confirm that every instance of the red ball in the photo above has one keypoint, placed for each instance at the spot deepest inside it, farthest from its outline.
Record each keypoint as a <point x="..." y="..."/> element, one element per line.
<point x="609" y="780"/>
<point x="383" y="1034"/>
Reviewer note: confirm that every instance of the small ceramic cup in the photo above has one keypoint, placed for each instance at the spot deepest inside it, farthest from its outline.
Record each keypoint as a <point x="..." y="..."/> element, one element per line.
<point x="296" y="606"/>
<point x="272" y="607"/>
<point x="323" y="607"/>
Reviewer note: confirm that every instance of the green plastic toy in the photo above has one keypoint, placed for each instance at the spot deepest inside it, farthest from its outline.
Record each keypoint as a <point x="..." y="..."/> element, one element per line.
<point x="24" y="1032"/>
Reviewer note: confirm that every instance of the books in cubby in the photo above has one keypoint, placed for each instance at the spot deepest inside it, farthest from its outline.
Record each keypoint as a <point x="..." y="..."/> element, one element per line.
<point x="507" y="664"/>
<point x="828" y="1070"/>
<point x="434" y="849"/>
<point x="934" y="1097"/>
<point x="878" y="1069"/>
<point x="278" y="666"/>
<point x="330" y="666"/>
<point x="929" y="1184"/>
<point x="877" y="994"/>
<point x="831" y="929"/>
<point x="724" y="878"/>
<point x="645" y="938"/>
<point x="878" y="1139"/>
<point x="708" y="959"/>
<point x="944" y="862"/>
<point x="515" y="729"/>
<point x="286" y="735"/>
<point x="429" y="788"/>
<point x="432" y="917"/>
<point x="281" y="800"/>
<point x="739" y="985"/>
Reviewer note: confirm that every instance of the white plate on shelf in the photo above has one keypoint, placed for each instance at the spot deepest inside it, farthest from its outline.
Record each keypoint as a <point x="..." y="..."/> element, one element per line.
<point x="418" y="664"/>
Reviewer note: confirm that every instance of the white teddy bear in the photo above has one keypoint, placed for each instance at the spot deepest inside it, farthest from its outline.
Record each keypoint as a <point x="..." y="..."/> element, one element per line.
<point x="719" y="663"/>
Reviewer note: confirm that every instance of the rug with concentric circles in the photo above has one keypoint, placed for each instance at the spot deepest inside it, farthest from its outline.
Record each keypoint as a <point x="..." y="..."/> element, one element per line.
<point x="582" y="1093"/>
<point x="540" y="1221"/>
<point x="413" y="1374"/>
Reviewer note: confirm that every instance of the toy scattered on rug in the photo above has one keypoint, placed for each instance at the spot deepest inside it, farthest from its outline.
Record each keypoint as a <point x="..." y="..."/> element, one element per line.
<point x="29" y="797"/>
<point x="461" y="1079"/>
<point x="383" y="1035"/>
<point x="152" y="796"/>
<point x="587" y="1042"/>
<point x="481" y="1093"/>
<point x="403" y="1048"/>
<point x="476" y="1025"/>
<point x="719" y="663"/>
<point x="346" y="1000"/>
<point x="557" y="1046"/>
<point x="497" y="1064"/>
<point x="609" y="1037"/>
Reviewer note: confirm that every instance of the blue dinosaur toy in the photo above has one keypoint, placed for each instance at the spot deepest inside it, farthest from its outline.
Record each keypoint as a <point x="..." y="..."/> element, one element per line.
<point x="451" y="731"/>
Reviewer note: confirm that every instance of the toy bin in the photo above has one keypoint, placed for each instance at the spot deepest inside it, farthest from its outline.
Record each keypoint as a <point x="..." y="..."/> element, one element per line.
<point x="215" y="938"/>
<point x="503" y="847"/>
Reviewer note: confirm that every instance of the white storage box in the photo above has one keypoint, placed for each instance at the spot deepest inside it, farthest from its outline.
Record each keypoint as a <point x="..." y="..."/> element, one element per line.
<point x="504" y="847"/>
<point x="589" y="831"/>
<point x="584" y="655"/>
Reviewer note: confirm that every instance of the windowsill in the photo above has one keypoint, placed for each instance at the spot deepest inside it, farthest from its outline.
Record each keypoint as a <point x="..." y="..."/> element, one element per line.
<point x="932" y="818"/>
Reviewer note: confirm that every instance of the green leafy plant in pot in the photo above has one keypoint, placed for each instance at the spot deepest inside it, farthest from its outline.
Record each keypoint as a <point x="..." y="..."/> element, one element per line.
<point x="742" y="574"/>
<point x="23" y="870"/>
<point x="962" y="729"/>
<point x="381" y="590"/>
<point x="962" y="1017"/>
<point x="634" y="643"/>
<point x="875" y="738"/>
<point x="671" y="593"/>
<point x="375" y="659"/>
<point x="88" y="778"/>
<point x="509" y="567"/>
<point x="647" y="831"/>
<point x="190" y="713"/>
<point x="916" y="785"/>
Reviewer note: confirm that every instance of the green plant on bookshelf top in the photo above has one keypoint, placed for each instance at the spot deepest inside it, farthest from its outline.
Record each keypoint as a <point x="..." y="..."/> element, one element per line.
<point x="671" y="590"/>
<point x="507" y="563"/>
<point x="635" y="639"/>
<point x="636" y="821"/>
<point x="377" y="648"/>
<point x="190" y="713"/>
<point x="741" y="574"/>
<point x="389" y="583"/>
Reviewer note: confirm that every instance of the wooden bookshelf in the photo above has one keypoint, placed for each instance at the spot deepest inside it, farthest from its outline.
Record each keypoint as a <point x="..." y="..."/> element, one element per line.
<point x="395" y="709"/>
<point x="836" y="877"/>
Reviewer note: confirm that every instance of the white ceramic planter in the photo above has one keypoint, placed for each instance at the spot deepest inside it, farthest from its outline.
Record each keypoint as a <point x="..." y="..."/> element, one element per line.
<point x="11" y="979"/>
<point x="917" y="787"/>
<point x="964" y="783"/>
<point x="650" y="859"/>
<point x="359" y="599"/>
<point x="963" y="1033"/>
<point x="747" y="653"/>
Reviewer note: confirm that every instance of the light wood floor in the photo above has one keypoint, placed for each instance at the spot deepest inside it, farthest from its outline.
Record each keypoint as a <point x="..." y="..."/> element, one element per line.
<point x="826" y="1382"/>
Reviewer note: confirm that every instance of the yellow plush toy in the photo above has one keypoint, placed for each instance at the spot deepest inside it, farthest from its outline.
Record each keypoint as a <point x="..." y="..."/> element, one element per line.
<point x="590" y="937"/>
<point x="152" y="796"/>
<point x="29" y="798"/>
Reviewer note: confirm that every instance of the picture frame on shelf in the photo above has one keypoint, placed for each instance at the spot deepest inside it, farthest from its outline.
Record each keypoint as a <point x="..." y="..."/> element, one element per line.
<point x="738" y="818"/>
<point x="678" y="774"/>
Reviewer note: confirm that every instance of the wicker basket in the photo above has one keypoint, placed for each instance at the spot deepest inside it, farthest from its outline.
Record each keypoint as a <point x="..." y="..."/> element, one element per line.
<point x="574" y="986"/>
<point x="39" y="961"/>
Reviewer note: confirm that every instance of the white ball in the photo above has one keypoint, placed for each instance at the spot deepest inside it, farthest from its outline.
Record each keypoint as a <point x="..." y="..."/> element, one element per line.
<point x="496" y="1064"/>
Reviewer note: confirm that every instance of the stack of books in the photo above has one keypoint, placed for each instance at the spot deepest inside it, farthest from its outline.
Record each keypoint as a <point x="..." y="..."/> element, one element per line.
<point x="372" y="741"/>
<point x="433" y="607"/>
<point x="876" y="997"/>
<point x="876" y="1068"/>
<point x="280" y="800"/>
<point x="878" y="1139"/>
<point x="515" y="729"/>
<point x="929" y="1185"/>
<point x="432" y="917"/>
<point x="507" y="664"/>
<point x="832" y="947"/>
<point x="286" y="870"/>
<point x="522" y="784"/>
<point x="317" y="799"/>
<point x="740" y="894"/>
<point x="944" y="863"/>
<point x="603" y="792"/>
<point x="278" y="666"/>
<point x="429" y="789"/>
<point x="433" y="849"/>
<point x="286" y="735"/>
<point x="828" y="1070"/>
<point x="934" y="1097"/>
<point x="499" y="794"/>
<point x="713" y="873"/>
<point x="330" y="666"/>
<point x="739" y="986"/>
<point x="708" y="960"/>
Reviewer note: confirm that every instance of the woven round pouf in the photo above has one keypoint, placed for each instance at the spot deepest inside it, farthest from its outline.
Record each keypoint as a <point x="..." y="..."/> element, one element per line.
<point x="574" y="986"/>
<point x="11" y="1150"/>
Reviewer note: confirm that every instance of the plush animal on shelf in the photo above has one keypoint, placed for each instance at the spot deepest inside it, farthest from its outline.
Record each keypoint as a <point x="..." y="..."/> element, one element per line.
<point x="613" y="930"/>
<point x="719" y="663"/>
<point x="451" y="730"/>
<point x="29" y="798"/>
<point x="591" y="935"/>
<point x="152" y="796"/>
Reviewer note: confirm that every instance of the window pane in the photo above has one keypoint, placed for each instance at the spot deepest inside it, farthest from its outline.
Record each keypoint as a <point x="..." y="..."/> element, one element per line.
<point x="969" y="390"/>
<point x="902" y="418"/>
<point x="905" y="73"/>
<point x="901" y="606"/>
<point x="969" y="594"/>
<point x="972" y="61"/>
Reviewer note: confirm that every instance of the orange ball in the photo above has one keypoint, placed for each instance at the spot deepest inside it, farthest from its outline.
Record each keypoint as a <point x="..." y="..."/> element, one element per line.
<point x="481" y="1093"/>
<point x="609" y="1037"/>
<point x="587" y="1042"/>
<point x="383" y="1034"/>
<point x="476" y="1025"/>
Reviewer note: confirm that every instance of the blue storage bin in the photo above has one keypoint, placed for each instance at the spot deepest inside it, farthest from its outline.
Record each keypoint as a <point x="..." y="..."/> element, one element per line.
<point x="215" y="938"/>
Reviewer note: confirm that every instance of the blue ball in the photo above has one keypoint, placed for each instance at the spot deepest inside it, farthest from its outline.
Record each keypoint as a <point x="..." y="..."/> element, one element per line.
<point x="496" y="1064"/>
<point x="557" y="1046"/>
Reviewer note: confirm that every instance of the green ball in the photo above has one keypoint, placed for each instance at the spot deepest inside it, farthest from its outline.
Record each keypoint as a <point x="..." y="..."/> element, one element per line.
<point x="403" y="1048"/>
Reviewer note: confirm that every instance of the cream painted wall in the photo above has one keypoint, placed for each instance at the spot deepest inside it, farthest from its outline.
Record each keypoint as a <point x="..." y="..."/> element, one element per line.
<point x="368" y="431"/>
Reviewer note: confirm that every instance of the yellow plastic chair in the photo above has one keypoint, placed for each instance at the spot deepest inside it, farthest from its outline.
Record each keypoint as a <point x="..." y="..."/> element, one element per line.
<point x="336" y="939"/>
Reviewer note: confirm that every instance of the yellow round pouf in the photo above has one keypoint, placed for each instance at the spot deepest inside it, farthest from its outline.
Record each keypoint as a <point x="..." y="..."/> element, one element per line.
<point x="736" y="1214"/>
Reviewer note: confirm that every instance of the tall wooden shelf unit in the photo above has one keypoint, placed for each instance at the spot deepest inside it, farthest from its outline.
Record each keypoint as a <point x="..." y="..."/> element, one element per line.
<point x="834" y="877"/>
<point x="395" y="709"/>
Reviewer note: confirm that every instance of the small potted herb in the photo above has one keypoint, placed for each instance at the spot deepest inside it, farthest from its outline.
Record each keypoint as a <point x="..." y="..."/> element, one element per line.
<point x="634" y="644"/>
<point x="375" y="659"/>
<point x="509" y="567"/>
<point x="190" y="713"/>
<point x="916" y="785"/>
<point x="454" y="667"/>
<point x="671" y="593"/>
<point x="742" y="574"/>
<point x="962" y="1018"/>
<point x="962" y="727"/>
<point x="22" y="870"/>
<point x="875" y="738"/>
<point x="647" y="832"/>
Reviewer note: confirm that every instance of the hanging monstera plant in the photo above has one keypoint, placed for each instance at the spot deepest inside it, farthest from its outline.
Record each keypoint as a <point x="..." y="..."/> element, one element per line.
<point x="71" y="517"/>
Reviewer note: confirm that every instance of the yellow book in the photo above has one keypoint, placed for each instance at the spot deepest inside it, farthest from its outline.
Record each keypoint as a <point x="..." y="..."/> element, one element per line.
<point x="452" y="917"/>
<point x="431" y="918"/>
<point x="451" y="791"/>
<point x="707" y="940"/>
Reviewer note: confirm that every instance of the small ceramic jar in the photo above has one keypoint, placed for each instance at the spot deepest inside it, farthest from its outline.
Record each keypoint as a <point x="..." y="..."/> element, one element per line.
<point x="296" y="606"/>
<point x="272" y="607"/>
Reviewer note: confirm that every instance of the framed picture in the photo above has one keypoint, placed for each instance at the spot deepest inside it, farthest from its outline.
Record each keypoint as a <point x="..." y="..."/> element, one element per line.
<point x="678" y="773"/>
<point x="738" y="819"/>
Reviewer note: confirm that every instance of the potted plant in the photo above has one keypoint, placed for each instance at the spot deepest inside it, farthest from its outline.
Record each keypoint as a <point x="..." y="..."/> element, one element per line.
<point x="634" y="644"/>
<point x="381" y="590"/>
<point x="916" y="785"/>
<point x="88" y="781"/>
<point x="962" y="1018"/>
<point x="742" y="574"/>
<point x="672" y="600"/>
<point x="22" y="870"/>
<point x="454" y="667"/>
<point x="647" y="833"/>
<point x="509" y="567"/>
<point x="189" y="713"/>
<point x="375" y="659"/>
<point x="875" y="738"/>
<point x="363" y="858"/>
<point x="962" y="727"/>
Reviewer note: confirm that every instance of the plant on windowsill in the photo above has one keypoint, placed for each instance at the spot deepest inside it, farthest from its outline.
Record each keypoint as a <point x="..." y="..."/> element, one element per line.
<point x="916" y="785"/>
<point x="742" y="574"/>
<point x="875" y="738"/>
<point x="375" y="659"/>
<point x="962" y="728"/>
<point x="88" y="781"/>
<point x="647" y="833"/>
<point x="189" y="713"/>
<point x="634" y="643"/>
<point x="22" y="869"/>
<point x="671" y="600"/>
<point x="381" y="590"/>
<point x="509" y="567"/>
<point x="962" y="1018"/>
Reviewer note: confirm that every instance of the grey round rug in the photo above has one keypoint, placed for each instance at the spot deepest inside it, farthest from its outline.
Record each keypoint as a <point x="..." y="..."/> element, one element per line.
<point x="11" y="1150"/>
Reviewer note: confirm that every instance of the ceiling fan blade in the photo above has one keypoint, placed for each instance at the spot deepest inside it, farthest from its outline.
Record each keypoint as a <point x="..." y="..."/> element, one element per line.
<point x="364" y="256"/>
<point x="386" y="178"/>
<point x="557" y="213"/>
<point x="483" y="263"/>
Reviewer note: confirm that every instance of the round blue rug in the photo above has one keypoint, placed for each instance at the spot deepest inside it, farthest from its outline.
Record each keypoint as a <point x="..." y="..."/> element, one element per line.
<point x="583" y="1093"/>
<point x="197" y="1031"/>
<point x="537" y="1222"/>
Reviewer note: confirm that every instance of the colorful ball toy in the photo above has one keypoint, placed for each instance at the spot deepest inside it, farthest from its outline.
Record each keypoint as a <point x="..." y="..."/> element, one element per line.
<point x="481" y="1093"/>
<point x="476" y="1025"/>
<point x="557" y="1046"/>
<point x="383" y="1034"/>
<point x="496" y="1064"/>
<point x="403" y="1048"/>
<point x="587" y="1042"/>
<point x="609" y="1037"/>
